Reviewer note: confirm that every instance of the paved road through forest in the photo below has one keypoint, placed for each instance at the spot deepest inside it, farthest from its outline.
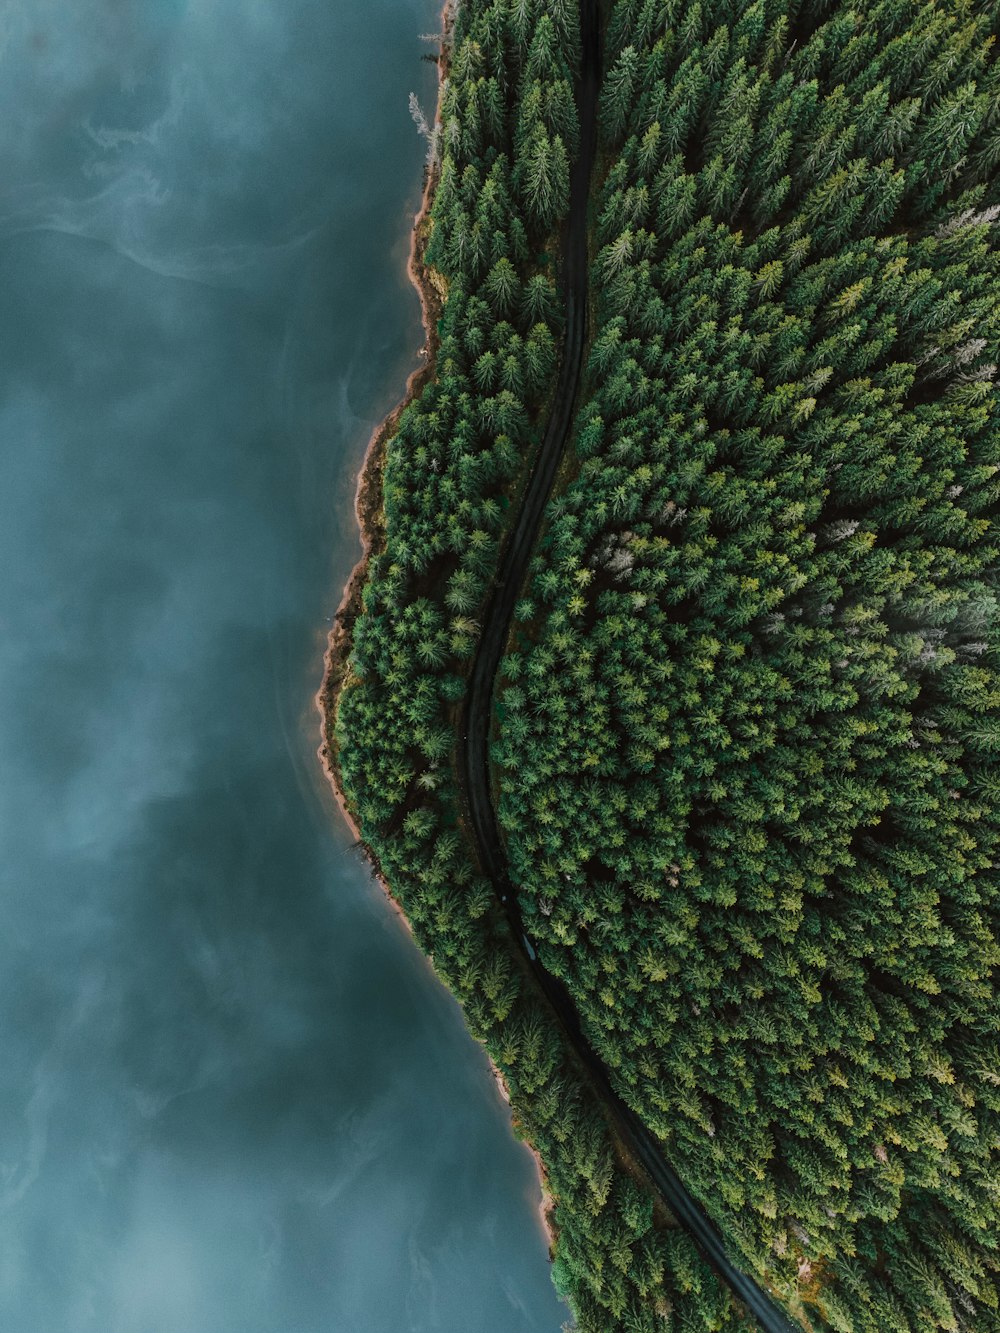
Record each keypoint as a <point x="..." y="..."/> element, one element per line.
<point x="474" y="751"/>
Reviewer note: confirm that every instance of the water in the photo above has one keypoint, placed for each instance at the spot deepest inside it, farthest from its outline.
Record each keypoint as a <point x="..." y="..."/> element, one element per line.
<point x="234" y="1099"/>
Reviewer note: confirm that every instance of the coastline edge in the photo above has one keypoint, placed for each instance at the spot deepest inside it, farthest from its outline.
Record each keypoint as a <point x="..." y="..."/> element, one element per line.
<point x="368" y="514"/>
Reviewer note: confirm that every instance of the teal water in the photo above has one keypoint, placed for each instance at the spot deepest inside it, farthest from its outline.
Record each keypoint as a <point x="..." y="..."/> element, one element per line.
<point x="234" y="1099"/>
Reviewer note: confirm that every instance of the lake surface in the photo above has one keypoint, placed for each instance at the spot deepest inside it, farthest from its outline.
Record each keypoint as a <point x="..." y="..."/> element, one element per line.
<point x="234" y="1099"/>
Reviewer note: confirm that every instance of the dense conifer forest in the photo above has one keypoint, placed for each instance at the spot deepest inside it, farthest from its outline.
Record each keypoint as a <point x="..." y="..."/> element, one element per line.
<point x="747" y="727"/>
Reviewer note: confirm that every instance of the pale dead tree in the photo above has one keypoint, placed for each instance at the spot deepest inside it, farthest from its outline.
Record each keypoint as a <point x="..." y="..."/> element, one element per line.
<point x="987" y="371"/>
<point x="672" y="513"/>
<point x="418" y="117"/>
<point x="615" y="556"/>
<point x="840" y="529"/>
<point x="968" y="351"/>
<point x="929" y="649"/>
<point x="431" y="134"/>
<point x="448" y="16"/>
<point x="971" y="217"/>
<point x="619" y="565"/>
<point x="772" y="623"/>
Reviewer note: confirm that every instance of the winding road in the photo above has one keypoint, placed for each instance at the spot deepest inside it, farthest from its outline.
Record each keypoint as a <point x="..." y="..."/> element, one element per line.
<point x="474" y="750"/>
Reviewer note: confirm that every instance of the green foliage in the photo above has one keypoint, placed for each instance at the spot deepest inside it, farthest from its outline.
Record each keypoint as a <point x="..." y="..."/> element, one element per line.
<point x="749" y="729"/>
<point x="452" y="468"/>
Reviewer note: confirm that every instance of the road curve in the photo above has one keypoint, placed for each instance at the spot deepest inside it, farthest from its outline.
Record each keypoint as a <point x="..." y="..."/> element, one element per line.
<point x="474" y="748"/>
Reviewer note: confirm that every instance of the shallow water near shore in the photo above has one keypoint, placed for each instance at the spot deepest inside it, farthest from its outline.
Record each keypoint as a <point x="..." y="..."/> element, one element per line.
<point x="235" y="1100"/>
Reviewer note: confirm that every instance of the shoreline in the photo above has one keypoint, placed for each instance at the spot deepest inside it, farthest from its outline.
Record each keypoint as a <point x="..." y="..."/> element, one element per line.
<point x="547" y="1203"/>
<point x="368" y="513"/>
<point x="367" y="496"/>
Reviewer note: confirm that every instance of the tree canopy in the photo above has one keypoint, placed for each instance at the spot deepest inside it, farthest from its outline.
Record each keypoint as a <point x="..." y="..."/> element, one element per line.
<point x="750" y="719"/>
<point x="747" y="728"/>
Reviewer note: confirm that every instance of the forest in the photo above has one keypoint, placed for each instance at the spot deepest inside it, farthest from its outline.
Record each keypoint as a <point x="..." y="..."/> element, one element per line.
<point x="746" y="731"/>
<point x="453" y="471"/>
